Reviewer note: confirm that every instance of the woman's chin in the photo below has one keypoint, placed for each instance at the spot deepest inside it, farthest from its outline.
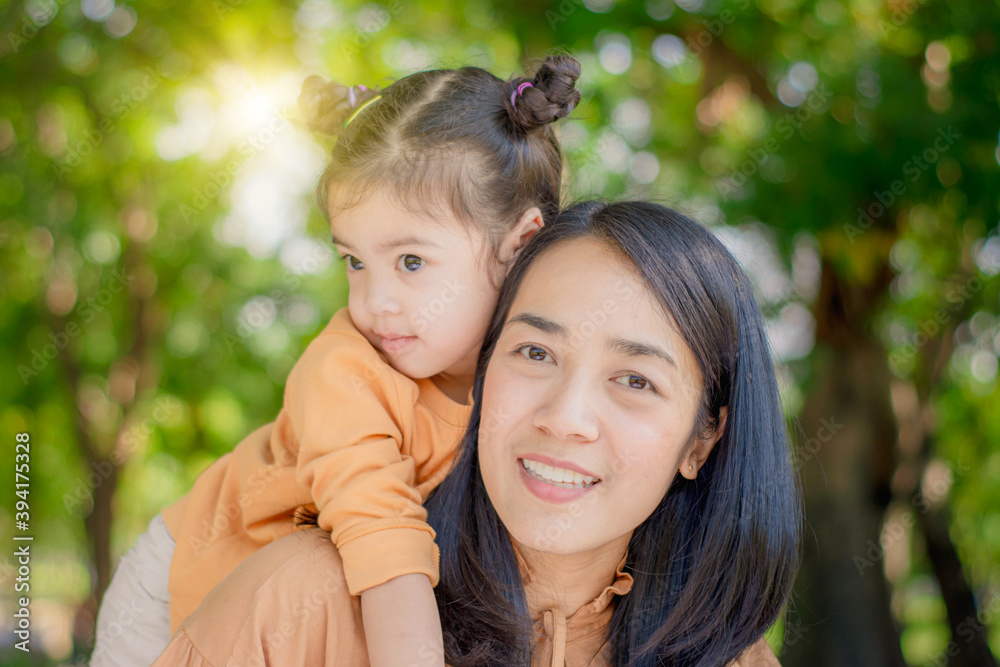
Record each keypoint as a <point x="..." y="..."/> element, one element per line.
<point x="553" y="535"/>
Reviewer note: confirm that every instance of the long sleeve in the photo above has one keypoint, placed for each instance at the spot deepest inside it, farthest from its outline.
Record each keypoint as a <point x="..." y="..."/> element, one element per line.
<point x="349" y="412"/>
<point x="361" y="442"/>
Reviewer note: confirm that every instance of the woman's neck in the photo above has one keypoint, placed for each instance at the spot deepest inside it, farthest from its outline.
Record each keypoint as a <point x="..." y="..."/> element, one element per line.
<point x="569" y="581"/>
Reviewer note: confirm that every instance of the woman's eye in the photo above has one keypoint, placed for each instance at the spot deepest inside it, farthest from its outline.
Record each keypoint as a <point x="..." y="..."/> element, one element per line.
<point x="534" y="352"/>
<point x="353" y="262"/>
<point x="410" y="262"/>
<point x="634" y="381"/>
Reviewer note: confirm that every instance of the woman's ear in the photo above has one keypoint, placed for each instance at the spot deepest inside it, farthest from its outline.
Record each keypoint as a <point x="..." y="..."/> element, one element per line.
<point x="517" y="238"/>
<point x="703" y="445"/>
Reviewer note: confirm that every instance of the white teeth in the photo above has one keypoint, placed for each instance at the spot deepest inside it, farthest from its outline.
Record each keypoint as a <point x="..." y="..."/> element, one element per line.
<point x="558" y="475"/>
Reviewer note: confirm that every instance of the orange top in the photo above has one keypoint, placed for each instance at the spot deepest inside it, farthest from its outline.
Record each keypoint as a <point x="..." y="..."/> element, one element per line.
<point x="356" y="440"/>
<point x="288" y="604"/>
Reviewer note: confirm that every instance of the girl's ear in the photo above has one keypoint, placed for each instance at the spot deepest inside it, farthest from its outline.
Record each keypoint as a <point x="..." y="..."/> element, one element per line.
<point x="518" y="237"/>
<point x="702" y="447"/>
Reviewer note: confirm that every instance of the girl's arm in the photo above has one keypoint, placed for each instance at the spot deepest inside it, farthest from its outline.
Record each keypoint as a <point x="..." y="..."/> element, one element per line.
<point x="402" y="626"/>
<point x="349" y="412"/>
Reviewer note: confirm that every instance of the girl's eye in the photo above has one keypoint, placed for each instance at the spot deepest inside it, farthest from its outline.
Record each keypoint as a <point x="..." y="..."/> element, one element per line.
<point x="533" y="352"/>
<point x="410" y="262"/>
<point x="634" y="381"/>
<point x="354" y="263"/>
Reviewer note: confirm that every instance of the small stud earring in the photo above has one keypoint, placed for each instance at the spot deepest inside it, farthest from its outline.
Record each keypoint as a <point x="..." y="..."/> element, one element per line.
<point x="690" y="466"/>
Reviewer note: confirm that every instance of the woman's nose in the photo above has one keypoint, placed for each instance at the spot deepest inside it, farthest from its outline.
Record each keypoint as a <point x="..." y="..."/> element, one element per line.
<point x="566" y="412"/>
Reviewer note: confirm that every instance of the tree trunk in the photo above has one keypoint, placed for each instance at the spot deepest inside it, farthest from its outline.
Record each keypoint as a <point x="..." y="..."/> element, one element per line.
<point x="969" y="645"/>
<point x="840" y="614"/>
<point x="98" y="525"/>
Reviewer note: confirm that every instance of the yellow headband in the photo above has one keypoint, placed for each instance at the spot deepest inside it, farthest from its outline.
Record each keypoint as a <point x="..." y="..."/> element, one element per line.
<point x="362" y="108"/>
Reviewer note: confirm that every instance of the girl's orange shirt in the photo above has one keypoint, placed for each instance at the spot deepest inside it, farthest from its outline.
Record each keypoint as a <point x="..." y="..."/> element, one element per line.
<point x="357" y="441"/>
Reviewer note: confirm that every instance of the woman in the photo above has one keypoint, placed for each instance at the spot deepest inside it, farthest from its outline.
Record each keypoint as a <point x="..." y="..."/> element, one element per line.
<point x="626" y="347"/>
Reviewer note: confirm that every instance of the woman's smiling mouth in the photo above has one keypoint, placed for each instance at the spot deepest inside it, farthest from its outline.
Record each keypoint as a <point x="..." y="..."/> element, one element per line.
<point x="554" y="484"/>
<point x="561" y="477"/>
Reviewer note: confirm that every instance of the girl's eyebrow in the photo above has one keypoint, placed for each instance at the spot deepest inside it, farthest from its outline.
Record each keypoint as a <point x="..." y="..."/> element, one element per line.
<point x="395" y="243"/>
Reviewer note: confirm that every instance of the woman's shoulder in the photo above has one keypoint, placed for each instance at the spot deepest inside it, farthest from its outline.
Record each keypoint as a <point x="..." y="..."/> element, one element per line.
<point x="291" y="595"/>
<point x="304" y="562"/>
<point x="758" y="655"/>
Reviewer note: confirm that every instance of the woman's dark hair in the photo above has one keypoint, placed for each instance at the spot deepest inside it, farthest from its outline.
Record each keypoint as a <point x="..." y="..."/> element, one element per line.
<point x="459" y="137"/>
<point x="714" y="563"/>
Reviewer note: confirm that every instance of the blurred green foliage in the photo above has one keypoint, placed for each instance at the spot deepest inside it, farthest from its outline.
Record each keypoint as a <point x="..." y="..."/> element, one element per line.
<point x="164" y="262"/>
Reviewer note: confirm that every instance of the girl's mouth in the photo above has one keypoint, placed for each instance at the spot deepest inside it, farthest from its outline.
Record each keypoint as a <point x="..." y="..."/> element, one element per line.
<point x="396" y="343"/>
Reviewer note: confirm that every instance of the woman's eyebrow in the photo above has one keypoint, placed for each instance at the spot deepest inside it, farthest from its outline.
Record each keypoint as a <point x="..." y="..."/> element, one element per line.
<point x="540" y="323"/>
<point x="624" y="346"/>
<point x="632" y="348"/>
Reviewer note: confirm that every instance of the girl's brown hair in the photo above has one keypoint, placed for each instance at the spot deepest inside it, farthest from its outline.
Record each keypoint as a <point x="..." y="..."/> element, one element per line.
<point x="463" y="138"/>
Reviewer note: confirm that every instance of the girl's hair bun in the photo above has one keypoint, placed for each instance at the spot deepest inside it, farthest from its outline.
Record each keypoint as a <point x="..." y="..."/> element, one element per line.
<point x="551" y="96"/>
<point x="326" y="105"/>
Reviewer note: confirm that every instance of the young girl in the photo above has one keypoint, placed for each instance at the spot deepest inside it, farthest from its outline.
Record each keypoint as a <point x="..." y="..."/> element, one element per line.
<point x="435" y="184"/>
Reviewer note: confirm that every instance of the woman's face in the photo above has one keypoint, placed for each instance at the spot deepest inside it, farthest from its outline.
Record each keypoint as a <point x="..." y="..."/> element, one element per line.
<point x="589" y="403"/>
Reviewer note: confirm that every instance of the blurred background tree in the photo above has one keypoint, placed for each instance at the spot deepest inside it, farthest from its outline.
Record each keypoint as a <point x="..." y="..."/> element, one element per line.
<point x="164" y="262"/>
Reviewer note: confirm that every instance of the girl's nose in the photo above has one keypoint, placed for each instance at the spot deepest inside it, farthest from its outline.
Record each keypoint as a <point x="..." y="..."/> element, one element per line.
<point x="566" y="412"/>
<point x="380" y="297"/>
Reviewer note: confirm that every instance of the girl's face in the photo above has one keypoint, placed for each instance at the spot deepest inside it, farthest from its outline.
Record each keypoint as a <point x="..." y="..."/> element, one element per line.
<point x="589" y="404"/>
<point x="421" y="289"/>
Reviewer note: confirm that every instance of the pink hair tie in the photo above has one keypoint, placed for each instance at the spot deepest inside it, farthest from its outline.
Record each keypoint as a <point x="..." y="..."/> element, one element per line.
<point x="517" y="93"/>
<point x="352" y="97"/>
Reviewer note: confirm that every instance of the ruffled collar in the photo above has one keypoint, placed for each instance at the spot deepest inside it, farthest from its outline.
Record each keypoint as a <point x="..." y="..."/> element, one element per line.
<point x="621" y="584"/>
<point x="586" y="624"/>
